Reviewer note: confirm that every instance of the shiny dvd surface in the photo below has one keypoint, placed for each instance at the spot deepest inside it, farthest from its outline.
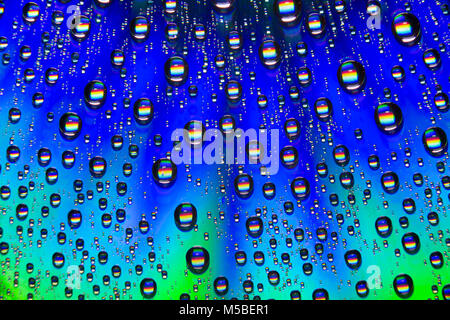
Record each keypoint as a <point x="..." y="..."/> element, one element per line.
<point x="197" y="149"/>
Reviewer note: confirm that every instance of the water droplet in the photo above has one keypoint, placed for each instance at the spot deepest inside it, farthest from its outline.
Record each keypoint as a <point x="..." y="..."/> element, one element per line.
<point x="148" y="288"/>
<point x="288" y="11"/>
<point x="316" y="24"/>
<point x="223" y="6"/>
<point x="353" y="259"/>
<point x="221" y="286"/>
<point x="254" y="227"/>
<point x="197" y="260"/>
<point x="289" y="157"/>
<point x="390" y="182"/>
<point x="383" y="225"/>
<point x="143" y="111"/>
<point x="270" y="54"/>
<point x="403" y="286"/>
<point x="292" y="128"/>
<point x="97" y="167"/>
<point x="58" y="260"/>
<point x="139" y="29"/>
<point x="243" y="185"/>
<point x="432" y="59"/>
<point x="95" y="94"/>
<point x="389" y="118"/>
<point x="185" y="216"/>
<point x="341" y="155"/>
<point x="233" y="91"/>
<point x="435" y="142"/>
<point x="300" y="188"/>
<point x="164" y="172"/>
<point x="82" y="29"/>
<point x="103" y="3"/>
<point x="117" y="58"/>
<point x="176" y="70"/>
<point x="323" y="108"/>
<point x="406" y="29"/>
<point x="352" y="76"/>
<point x="411" y="242"/>
<point x="30" y="12"/>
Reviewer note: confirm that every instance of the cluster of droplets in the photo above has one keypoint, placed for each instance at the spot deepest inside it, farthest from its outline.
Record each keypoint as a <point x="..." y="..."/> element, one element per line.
<point x="352" y="79"/>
